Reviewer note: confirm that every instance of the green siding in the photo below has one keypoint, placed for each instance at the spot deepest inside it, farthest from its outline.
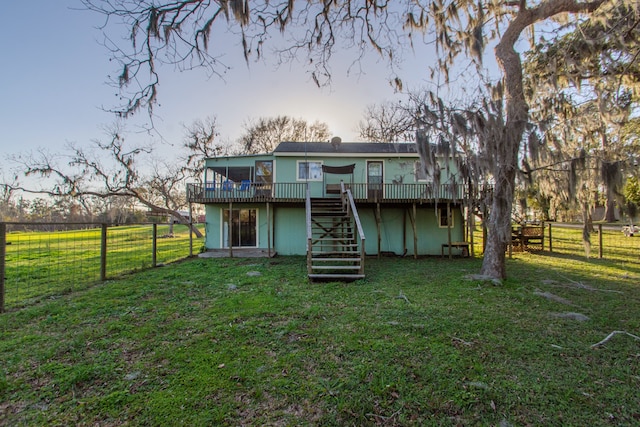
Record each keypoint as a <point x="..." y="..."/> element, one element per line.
<point x="393" y="238"/>
<point x="289" y="230"/>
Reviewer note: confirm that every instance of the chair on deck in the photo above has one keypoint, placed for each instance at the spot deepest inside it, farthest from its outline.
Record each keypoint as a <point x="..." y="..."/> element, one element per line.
<point x="227" y="185"/>
<point x="245" y="185"/>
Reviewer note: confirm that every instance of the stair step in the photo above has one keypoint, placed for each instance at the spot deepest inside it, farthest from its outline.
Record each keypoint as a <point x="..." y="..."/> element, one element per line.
<point x="336" y="276"/>
<point x="336" y="214"/>
<point x="313" y="253"/>
<point x="335" y="259"/>
<point x="335" y="267"/>
<point x="330" y="202"/>
<point x="345" y="247"/>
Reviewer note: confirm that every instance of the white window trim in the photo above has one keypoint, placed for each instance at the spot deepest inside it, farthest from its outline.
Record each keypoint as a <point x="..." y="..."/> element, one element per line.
<point x="321" y="162"/>
<point x="442" y="210"/>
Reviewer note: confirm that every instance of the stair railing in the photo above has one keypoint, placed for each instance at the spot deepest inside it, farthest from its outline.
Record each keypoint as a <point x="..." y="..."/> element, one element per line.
<point x="309" y="232"/>
<point x="347" y="199"/>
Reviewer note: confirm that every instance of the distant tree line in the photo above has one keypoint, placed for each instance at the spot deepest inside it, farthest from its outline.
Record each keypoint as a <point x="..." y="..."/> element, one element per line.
<point x="70" y="210"/>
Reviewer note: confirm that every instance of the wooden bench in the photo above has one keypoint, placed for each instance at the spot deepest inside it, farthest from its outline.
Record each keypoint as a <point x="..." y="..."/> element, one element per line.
<point x="460" y="245"/>
<point x="528" y="237"/>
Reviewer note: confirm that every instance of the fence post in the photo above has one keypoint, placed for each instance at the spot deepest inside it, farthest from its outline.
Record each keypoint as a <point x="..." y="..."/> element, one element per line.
<point x="103" y="253"/>
<point x="3" y="248"/>
<point x="154" y="245"/>
<point x="190" y="231"/>
<point x="600" y="240"/>
<point x="550" y="239"/>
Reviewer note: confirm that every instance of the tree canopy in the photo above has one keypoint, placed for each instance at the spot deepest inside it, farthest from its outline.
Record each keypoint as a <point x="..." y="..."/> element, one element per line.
<point x="262" y="135"/>
<point x="583" y="86"/>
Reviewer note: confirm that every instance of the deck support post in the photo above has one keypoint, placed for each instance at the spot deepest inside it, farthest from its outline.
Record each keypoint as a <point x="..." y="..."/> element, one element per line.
<point x="230" y="228"/>
<point x="404" y="232"/>
<point x="378" y="227"/>
<point x="449" y="220"/>
<point x="414" y="220"/>
<point x="268" y="231"/>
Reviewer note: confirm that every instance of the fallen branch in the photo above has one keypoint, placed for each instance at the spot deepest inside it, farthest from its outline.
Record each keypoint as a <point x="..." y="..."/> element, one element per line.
<point x="552" y="297"/>
<point x="461" y="341"/>
<point x="403" y="296"/>
<point x="611" y="336"/>
<point x="383" y="418"/>
<point x="581" y="285"/>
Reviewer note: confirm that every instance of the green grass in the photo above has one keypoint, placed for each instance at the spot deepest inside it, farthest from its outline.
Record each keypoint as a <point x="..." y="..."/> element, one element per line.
<point x="41" y="264"/>
<point x="203" y="343"/>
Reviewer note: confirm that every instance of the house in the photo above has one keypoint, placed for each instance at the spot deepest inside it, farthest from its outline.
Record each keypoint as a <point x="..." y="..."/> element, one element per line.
<point x="335" y="202"/>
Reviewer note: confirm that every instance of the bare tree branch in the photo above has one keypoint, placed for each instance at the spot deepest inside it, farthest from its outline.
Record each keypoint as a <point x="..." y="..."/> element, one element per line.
<point x="107" y="170"/>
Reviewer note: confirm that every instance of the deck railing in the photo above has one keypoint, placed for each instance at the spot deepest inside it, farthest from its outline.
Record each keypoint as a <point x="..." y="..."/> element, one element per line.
<point x="296" y="192"/>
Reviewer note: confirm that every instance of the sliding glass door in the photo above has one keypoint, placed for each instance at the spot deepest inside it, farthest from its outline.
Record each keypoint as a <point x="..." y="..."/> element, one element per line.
<point x="242" y="232"/>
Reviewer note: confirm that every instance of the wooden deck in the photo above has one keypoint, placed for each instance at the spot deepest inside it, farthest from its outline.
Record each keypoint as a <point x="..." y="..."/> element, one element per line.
<point x="296" y="193"/>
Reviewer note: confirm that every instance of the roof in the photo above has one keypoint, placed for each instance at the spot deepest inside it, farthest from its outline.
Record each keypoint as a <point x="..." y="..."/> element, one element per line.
<point x="345" y="148"/>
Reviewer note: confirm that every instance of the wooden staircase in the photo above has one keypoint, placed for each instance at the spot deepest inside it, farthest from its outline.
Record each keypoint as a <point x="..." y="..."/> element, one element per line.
<point x="334" y="251"/>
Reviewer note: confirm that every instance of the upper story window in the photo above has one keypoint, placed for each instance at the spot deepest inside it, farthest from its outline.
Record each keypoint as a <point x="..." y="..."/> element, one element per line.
<point x="264" y="171"/>
<point x="309" y="171"/>
<point x="419" y="172"/>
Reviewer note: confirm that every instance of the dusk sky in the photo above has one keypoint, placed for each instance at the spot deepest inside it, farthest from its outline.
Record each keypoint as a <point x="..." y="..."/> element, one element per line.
<point x="54" y="74"/>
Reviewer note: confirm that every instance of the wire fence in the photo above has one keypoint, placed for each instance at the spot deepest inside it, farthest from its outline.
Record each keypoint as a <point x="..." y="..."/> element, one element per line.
<point x="39" y="260"/>
<point x="603" y="241"/>
<point x="44" y="259"/>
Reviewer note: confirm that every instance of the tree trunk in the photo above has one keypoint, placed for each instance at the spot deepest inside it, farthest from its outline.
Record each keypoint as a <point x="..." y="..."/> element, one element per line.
<point x="517" y="113"/>
<point x="506" y="152"/>
<point x="610" y="211"/>
<point x="195" y="231"/>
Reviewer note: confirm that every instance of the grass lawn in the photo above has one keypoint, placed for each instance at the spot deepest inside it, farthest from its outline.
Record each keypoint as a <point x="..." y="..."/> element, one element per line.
<point x="41" y="264"/>
<point x="251" y="342"/>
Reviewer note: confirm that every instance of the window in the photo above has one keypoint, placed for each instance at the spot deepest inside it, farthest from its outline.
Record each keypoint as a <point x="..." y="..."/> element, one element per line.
<point x="419" y="171"/>
<point x="443" y="221"/>
<point x="309" y="171"/>
<point x="264" y="171"/>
